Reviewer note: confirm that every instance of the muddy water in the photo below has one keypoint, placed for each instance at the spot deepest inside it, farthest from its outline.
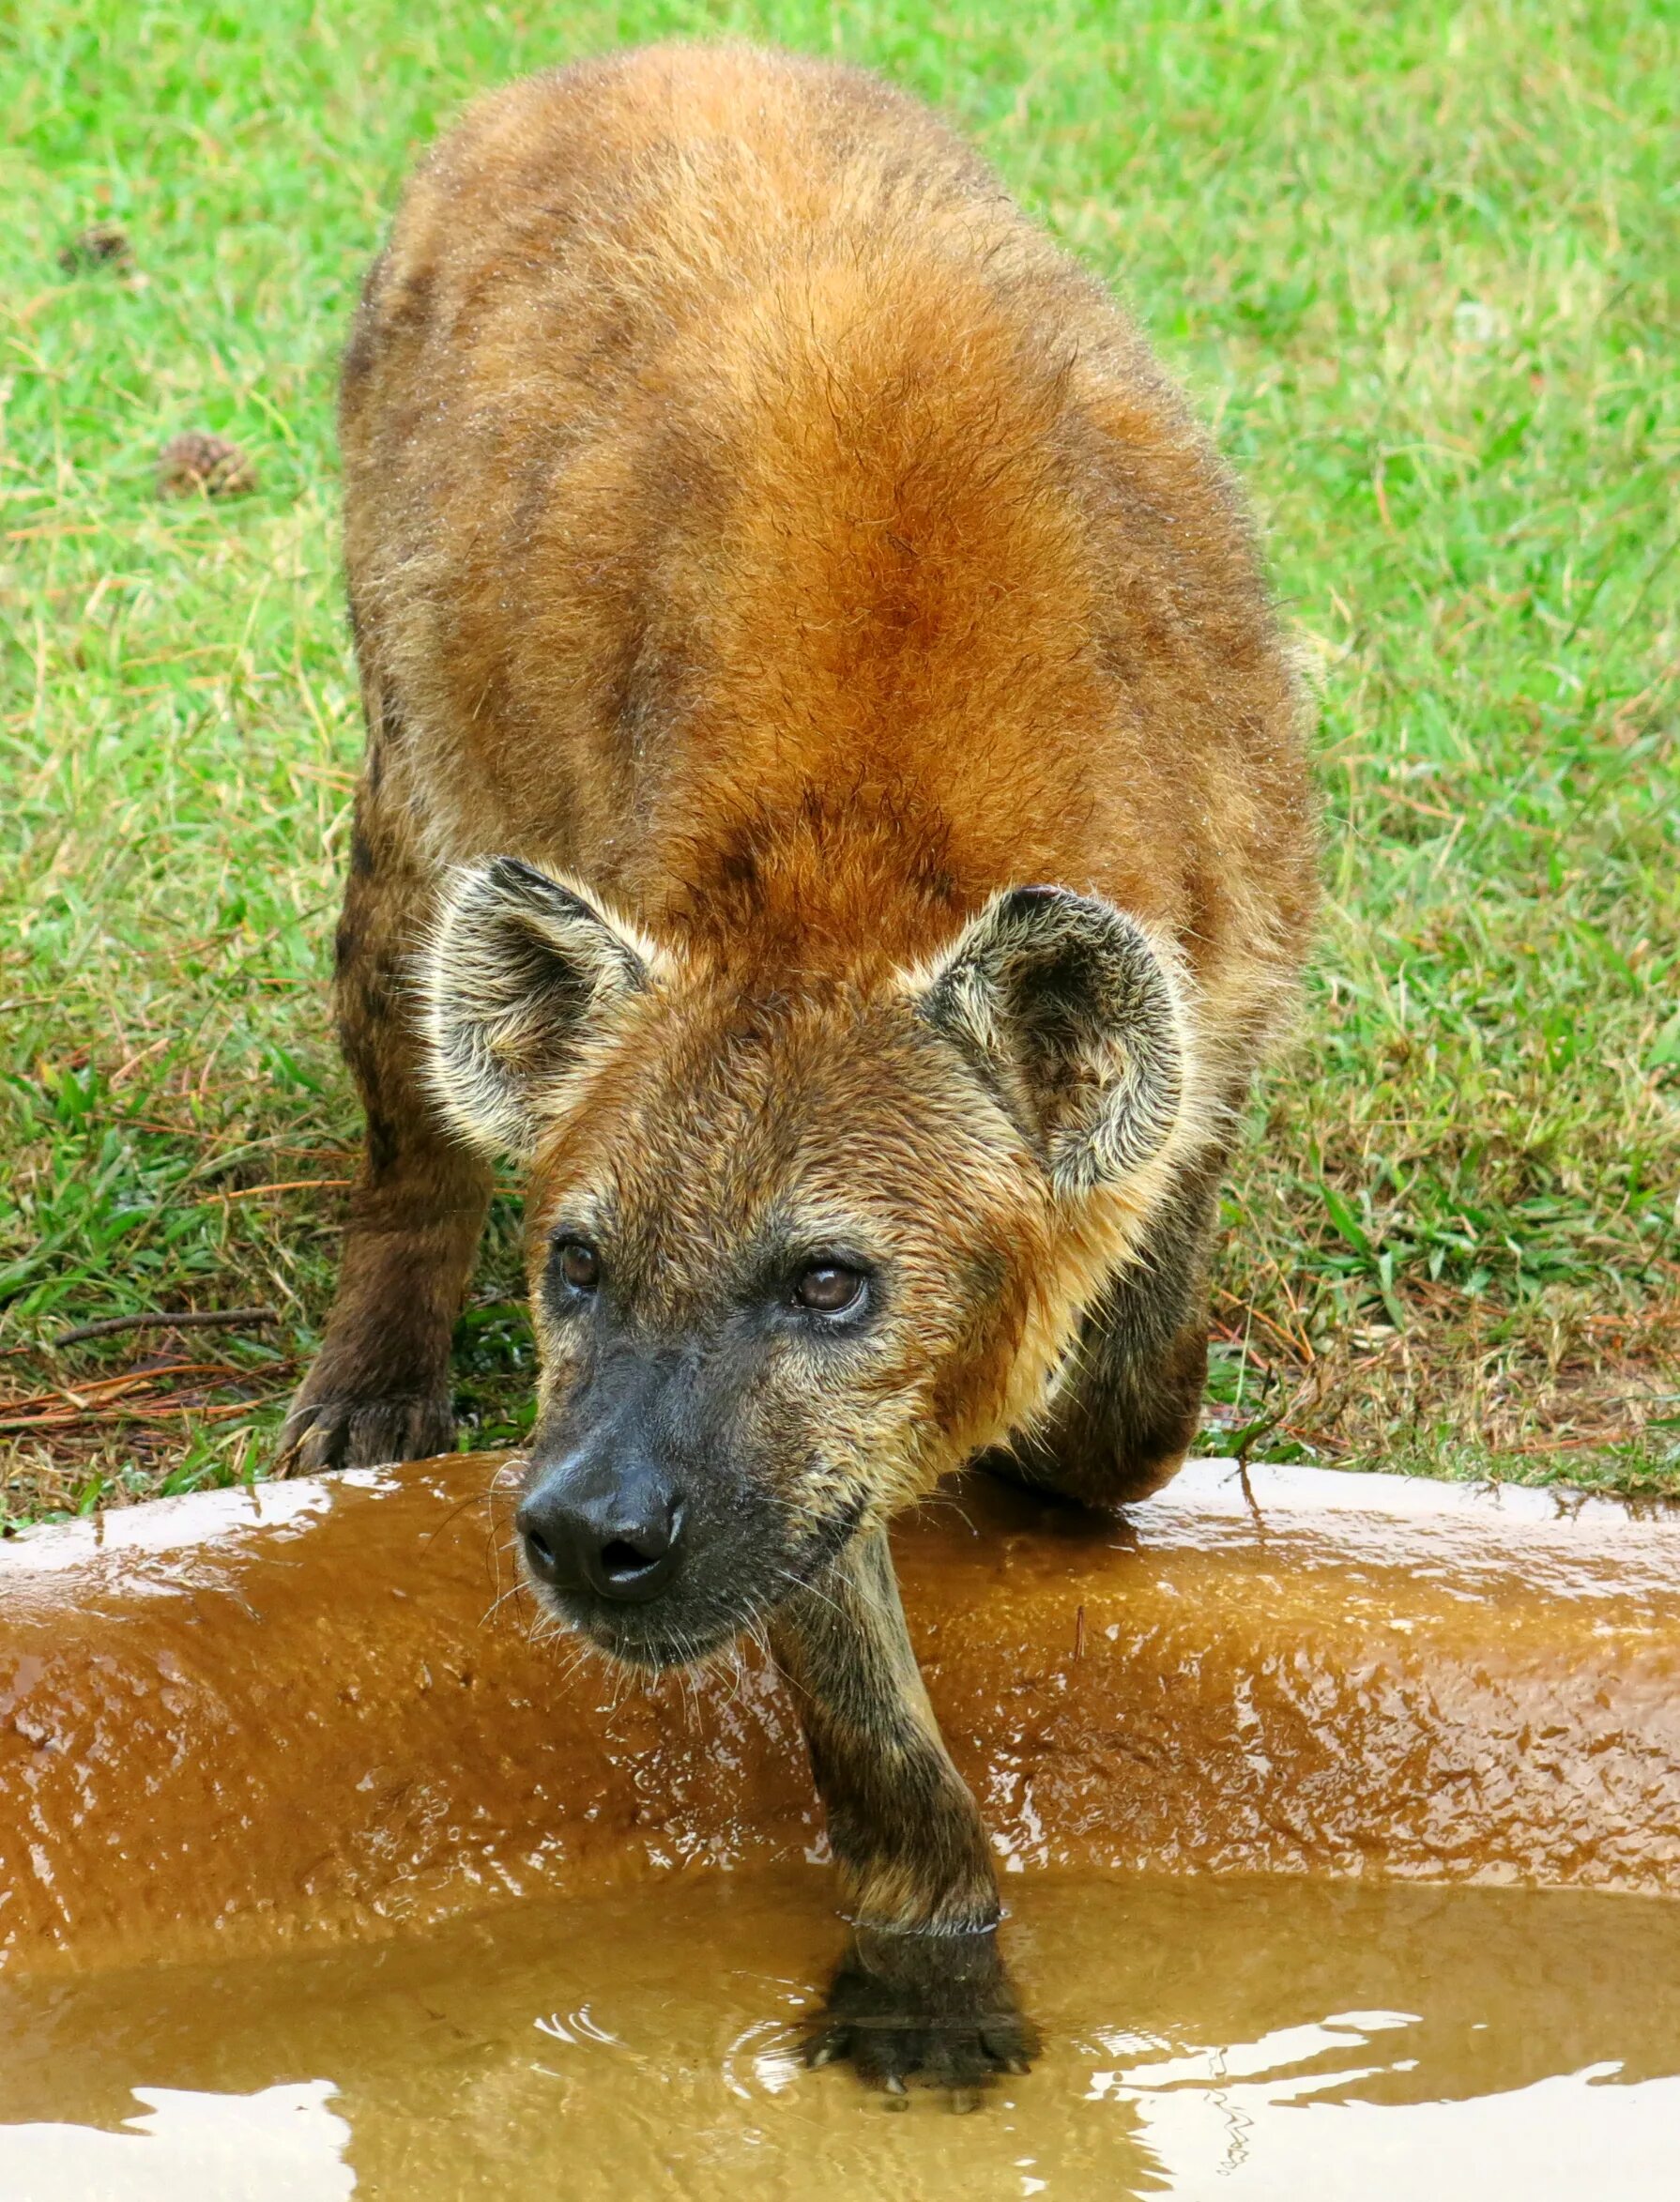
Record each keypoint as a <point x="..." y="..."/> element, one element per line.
<point x="1242" y="2038"/>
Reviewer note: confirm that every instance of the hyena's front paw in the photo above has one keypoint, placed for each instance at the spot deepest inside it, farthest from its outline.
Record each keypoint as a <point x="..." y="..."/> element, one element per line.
<point x="331" y="1430"/>
<point x="934" y="2008"/>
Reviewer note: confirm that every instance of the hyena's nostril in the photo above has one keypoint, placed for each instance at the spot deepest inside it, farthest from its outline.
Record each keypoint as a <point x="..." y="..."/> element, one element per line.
<point x="536" y="1536"/>
<point x="621" y="1557"/>
<point x="640" y="1556"/>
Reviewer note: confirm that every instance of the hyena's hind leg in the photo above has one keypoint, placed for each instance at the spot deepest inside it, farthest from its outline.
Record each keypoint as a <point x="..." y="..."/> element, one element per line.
<point x="379" y="1389"/>
<point x="1129" y="1407"/>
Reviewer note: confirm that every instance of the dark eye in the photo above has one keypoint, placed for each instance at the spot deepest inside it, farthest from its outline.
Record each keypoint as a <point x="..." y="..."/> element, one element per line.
<point x="829" y="1288"/>
<point x="578" y="1263"/>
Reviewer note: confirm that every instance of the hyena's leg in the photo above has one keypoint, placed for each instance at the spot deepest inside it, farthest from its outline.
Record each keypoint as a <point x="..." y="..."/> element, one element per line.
<point x="921" y="1988"/>
<point x="1129" y="1407"/>
<point x="379" y="1389"/>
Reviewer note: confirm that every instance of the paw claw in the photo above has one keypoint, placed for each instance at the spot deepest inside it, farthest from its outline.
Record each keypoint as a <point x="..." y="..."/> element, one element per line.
<point x="925" y="2008"/>
<point x="321" y="1434"/>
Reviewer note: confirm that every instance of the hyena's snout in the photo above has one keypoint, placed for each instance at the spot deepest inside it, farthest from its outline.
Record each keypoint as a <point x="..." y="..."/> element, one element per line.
<point x="606" y="1523"/>
<point x="640" y="1525"/>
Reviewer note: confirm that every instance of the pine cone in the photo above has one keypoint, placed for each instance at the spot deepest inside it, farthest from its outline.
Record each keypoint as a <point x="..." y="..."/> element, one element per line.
<point x="98" y="246"/>
<point x="197" y="465"/>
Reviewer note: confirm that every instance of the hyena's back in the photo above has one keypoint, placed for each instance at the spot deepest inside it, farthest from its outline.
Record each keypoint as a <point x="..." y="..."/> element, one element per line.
<point x="722" y="445"/>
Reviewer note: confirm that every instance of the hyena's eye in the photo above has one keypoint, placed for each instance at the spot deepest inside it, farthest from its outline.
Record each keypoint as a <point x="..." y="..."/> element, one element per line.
<point x="829" y="1288"/>
<point x="578" y="1263"/>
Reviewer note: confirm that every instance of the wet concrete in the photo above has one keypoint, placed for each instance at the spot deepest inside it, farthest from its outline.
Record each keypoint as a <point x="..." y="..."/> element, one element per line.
<point x="307" y="1711"/>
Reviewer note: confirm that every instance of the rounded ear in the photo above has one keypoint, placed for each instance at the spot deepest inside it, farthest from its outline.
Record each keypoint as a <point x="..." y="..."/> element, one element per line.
<point x="1069" y="1011"/>
<point x="519" y="974"/>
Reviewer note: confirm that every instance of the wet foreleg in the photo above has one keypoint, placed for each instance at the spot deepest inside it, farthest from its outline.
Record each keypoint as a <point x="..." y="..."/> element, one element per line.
<point x="921" y="1990"/>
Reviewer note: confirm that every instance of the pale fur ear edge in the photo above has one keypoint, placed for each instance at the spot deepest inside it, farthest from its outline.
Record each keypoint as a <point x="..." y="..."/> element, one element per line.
<point x="518" y="979"/>
<point x="1078" y="1016"/>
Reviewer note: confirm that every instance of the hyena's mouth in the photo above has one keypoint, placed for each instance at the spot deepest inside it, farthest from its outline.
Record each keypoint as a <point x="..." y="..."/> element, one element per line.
<point x="638" y="1636"/>
<point x="682" y="1628"/>
<point x="652" y="1647"/>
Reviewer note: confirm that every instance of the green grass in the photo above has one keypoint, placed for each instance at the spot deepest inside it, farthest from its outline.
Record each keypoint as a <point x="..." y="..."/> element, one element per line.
<point x="1417" y="265"/>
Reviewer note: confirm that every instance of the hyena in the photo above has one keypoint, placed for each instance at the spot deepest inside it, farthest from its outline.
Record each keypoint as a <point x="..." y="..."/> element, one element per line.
<point x="835" y="808"/>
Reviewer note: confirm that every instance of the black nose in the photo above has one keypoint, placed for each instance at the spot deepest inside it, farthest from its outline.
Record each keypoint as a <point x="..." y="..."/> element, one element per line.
<point x="617" y="1532"/>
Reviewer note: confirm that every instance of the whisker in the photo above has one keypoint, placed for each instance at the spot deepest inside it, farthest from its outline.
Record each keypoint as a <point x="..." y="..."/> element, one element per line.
<point x="513" y="1590"/>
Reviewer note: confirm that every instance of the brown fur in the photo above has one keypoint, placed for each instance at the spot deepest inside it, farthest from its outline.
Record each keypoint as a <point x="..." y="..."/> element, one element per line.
<point x="753" y="518"/>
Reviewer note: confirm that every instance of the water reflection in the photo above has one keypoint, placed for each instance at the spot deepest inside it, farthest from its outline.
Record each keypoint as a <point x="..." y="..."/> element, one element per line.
<point x="1560" y="2140"/>
<point x="279" y="2145"/>
<point x="1205" y="2039"/>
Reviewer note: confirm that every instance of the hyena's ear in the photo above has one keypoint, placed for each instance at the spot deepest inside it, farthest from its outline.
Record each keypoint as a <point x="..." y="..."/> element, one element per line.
<point x="1062" y="1002"/>
<point x="519" y="974"/>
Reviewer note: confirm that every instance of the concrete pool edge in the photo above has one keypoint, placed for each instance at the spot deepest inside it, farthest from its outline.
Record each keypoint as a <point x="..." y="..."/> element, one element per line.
<point x="307" y="1711"/>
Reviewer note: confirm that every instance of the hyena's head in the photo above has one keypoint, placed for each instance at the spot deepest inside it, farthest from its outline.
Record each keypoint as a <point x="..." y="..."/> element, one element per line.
<point x="796" y="1245"/>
